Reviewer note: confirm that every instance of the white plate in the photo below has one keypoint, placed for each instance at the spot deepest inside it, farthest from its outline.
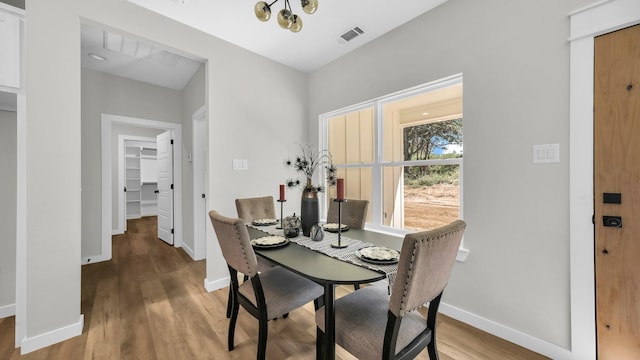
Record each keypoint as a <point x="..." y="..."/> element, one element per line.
<point x="378" y="254"/>
<point x="264" y="222"/>
<point x="333" y="227"/>
<point x="269" y="241"/>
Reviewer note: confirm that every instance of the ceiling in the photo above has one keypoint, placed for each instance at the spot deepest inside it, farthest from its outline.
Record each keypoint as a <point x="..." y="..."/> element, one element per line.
<point x="127" y="57"/>
<point x="318" y="43"/>
<point x="314" y="46"/>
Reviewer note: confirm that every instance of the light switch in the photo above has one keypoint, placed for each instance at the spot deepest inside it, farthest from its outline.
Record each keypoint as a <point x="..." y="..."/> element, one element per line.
<point x="240" y="164"/>
<point x="546" y="153"/>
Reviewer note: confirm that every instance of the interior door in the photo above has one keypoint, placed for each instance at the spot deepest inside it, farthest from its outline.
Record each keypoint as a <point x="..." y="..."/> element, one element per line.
<point x="165" y="187"/>
<point x="617" y="193"/>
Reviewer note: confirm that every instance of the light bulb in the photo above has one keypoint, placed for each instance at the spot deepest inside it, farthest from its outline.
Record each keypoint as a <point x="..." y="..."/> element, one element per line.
<point x="296" y="23"/>
<point x="309" y="6"/>
<point x="262" y="10"/>
<point x="284" y="19"/>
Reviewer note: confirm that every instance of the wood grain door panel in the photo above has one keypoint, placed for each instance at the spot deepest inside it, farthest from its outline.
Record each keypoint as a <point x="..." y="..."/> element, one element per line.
<point x="617" y="170"/>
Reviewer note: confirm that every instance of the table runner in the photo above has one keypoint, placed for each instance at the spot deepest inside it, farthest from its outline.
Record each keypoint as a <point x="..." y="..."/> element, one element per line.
<point x="347" y="254"/>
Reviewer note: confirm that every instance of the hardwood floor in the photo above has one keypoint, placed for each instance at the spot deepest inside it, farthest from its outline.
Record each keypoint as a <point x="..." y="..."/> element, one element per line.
<point x="149" y="303"/>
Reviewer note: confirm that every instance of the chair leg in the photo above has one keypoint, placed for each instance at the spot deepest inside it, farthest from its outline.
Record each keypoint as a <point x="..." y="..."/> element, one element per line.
<point x="262" y="338"/>
<point x="431" y="324"/>
<point x="232" y="322"/>
<point x="319" y="344"/>
<point x="432" y="349"/>
<point x="356" y="286"/>
<point x="229" y="303"/>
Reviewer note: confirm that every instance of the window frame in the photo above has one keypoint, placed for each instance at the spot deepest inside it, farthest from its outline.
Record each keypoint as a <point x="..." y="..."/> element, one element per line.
<point x="378" y="164"/>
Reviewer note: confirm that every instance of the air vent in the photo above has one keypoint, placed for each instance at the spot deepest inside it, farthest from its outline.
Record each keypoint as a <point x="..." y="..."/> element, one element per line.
<point x="350" y="34"/>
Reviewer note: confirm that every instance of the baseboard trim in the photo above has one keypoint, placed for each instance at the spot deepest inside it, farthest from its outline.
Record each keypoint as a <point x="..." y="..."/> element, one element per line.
<point x="7" y="310"/>
<point x="216" y="284"/>
<point x="188" y="250"/>
<point x="30" y="344"/>
<point x="517" y="337"/>
<point x="86" y="260"/>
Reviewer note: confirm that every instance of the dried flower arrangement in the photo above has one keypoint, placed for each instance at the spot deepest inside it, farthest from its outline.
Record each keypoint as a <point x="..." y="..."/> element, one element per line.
<point x="307" y="163"/>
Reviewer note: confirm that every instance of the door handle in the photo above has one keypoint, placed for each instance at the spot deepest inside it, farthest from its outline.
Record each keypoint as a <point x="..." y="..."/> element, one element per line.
<point x="612" y="221"/>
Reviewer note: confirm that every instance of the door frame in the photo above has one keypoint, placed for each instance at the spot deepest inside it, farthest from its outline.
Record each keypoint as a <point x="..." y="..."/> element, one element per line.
<point x="585" y="24"/>
<point x="107" y="122"/>
<point x="199" y="158"/>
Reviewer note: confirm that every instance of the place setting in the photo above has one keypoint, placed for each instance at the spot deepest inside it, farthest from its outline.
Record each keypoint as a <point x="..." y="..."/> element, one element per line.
<point x="333" y="227"/>
<point x="264" y="222"/>
<point x="378" y="255"/>
<point x="269" y="242"/>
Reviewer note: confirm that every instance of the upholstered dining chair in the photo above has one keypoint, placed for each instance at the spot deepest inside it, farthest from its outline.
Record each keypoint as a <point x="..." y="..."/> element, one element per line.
<point x="268" y="294"/>
<point x="250" y="209"/>
<point x="354" y="213"/>
<point x="370" y="324"/>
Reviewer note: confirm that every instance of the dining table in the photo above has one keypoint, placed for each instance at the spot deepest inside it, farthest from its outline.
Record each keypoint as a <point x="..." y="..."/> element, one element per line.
<point x="326" y="270"/>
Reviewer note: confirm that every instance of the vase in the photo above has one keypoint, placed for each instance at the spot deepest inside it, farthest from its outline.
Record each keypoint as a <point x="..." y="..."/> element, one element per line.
<point x="309" y="208"/>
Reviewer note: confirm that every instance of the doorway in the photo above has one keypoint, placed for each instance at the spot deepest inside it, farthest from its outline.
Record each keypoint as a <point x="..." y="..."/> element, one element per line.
<point x="108" y="123"/>
<point x="137" y="179"/>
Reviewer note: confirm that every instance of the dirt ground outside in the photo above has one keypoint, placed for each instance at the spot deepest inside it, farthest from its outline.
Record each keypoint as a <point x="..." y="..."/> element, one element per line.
<point x="429" y="207"/>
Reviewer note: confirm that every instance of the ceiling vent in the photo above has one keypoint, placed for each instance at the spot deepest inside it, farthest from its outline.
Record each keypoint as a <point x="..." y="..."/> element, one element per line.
<point x="350" y="35"/>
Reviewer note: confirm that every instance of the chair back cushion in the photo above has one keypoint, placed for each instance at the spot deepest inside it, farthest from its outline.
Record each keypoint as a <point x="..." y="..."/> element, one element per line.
<point x="250" y="209"/>
<point x="426" y="261"/>
<point x="235" y="244"/>
<point x="354" y="213"/>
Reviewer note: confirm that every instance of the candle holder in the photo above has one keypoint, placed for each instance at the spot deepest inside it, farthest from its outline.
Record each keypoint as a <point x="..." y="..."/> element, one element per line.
<point x="340" y="244"/>
<point x="280" y="226"/>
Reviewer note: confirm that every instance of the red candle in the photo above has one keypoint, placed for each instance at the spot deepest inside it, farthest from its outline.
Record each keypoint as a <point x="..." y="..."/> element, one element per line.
<point x="340" y="184"/>
<point x="281" y="192"/>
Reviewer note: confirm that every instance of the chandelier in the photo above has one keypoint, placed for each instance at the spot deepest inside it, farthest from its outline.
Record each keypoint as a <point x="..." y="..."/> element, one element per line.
<point x="286" y="18"/>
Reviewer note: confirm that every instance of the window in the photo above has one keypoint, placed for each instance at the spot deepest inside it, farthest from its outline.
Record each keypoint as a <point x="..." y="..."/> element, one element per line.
<point x="404" y="153"/>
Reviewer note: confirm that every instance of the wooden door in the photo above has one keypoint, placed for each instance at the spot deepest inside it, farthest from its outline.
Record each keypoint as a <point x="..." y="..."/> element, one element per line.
<point x="165" y="187"/>
<point x="617" y="171"/>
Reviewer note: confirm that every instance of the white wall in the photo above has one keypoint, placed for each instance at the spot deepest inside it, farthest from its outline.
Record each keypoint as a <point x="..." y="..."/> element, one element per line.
<point x="53" y="180"/>
<point x="514" y="59"/>
<point x="257" y="111"/>
<point x="7" y="210"/>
